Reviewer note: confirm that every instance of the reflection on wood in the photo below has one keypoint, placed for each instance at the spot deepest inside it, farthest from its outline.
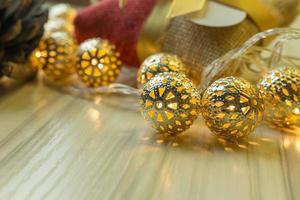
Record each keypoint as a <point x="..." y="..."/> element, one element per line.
<point x="55" y="146"/>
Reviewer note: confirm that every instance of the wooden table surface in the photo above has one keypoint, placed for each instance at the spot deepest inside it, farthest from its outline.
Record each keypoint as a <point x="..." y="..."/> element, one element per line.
<point x="56" y="146"/>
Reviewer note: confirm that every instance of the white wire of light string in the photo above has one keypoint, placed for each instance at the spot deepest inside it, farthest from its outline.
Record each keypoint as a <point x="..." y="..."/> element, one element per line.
<point x="217" y="67"/>
<point x="222" y="65"/>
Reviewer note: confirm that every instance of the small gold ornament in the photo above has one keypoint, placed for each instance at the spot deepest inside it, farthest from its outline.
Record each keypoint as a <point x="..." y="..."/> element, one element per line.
<point x="58" y="25"/>
<point x="98" y="62"/>
<point x="281" y="90"/>
<point x="232" y="108"/>
<point x="171" y="102"/>
<point x="159" y="63"/>
<point x="62" y="11"/>
<point x="55" y="54"/>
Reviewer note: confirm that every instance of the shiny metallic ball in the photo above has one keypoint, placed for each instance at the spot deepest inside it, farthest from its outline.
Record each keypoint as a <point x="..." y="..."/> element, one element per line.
<point x="62" y="11"/>
<point x="159" y="63"/>
<point x="59" y="25"/>
<point x="171" y="102"/>
<point x="98" y="62"/>
<point x="55" y="55"/>
<point x="281" y="90"/>
<point x="232" y="108"/>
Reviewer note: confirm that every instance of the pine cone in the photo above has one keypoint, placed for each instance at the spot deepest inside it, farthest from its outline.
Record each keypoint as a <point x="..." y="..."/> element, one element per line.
<point x="21" y="27"/>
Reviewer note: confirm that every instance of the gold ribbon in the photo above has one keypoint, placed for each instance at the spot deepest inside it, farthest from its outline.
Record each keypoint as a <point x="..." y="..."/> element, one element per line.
<point x="264" y="16"/>
<point x="180" y="7"/>
<point x="155" y="26"/>
<point x="122" y="3"/>
<point x="153" y="30"/>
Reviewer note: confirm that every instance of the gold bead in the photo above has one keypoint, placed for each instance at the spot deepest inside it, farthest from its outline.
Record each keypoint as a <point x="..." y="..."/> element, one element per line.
<point x="55" y="54"/>
<point x="62" y="11"/>
<point x="232" y="108"/>
<point x="171" y="102"/>
<point x="58" y="25"/>
<point x="98" y="62"/>
<point x="159" y="63"/>
<point x="281" y="90"/>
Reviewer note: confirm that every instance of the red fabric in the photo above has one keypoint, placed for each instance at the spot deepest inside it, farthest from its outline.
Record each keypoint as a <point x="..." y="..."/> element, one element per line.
<point x="120" y="26"/>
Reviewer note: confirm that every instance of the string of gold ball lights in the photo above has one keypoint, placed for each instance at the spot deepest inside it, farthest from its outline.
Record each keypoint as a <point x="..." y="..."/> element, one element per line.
<point x="95" y="61"/>
<point x="231" y="107"/>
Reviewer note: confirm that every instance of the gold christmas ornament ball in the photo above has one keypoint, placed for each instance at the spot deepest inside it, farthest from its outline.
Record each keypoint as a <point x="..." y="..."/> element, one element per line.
<point x="281" y="90"/>
<point x="159" y="63"/>
<point x="55" y="55"/>
<point x="98" y="63"/>
<point x="59" y="25"/>
<point x="232" y="108"/>
<point x="62" y="11"/>
<point x="171" y="102"/>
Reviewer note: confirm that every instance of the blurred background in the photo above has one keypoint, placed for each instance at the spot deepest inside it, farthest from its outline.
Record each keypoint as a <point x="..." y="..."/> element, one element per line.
<point x="74" y="2"/>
